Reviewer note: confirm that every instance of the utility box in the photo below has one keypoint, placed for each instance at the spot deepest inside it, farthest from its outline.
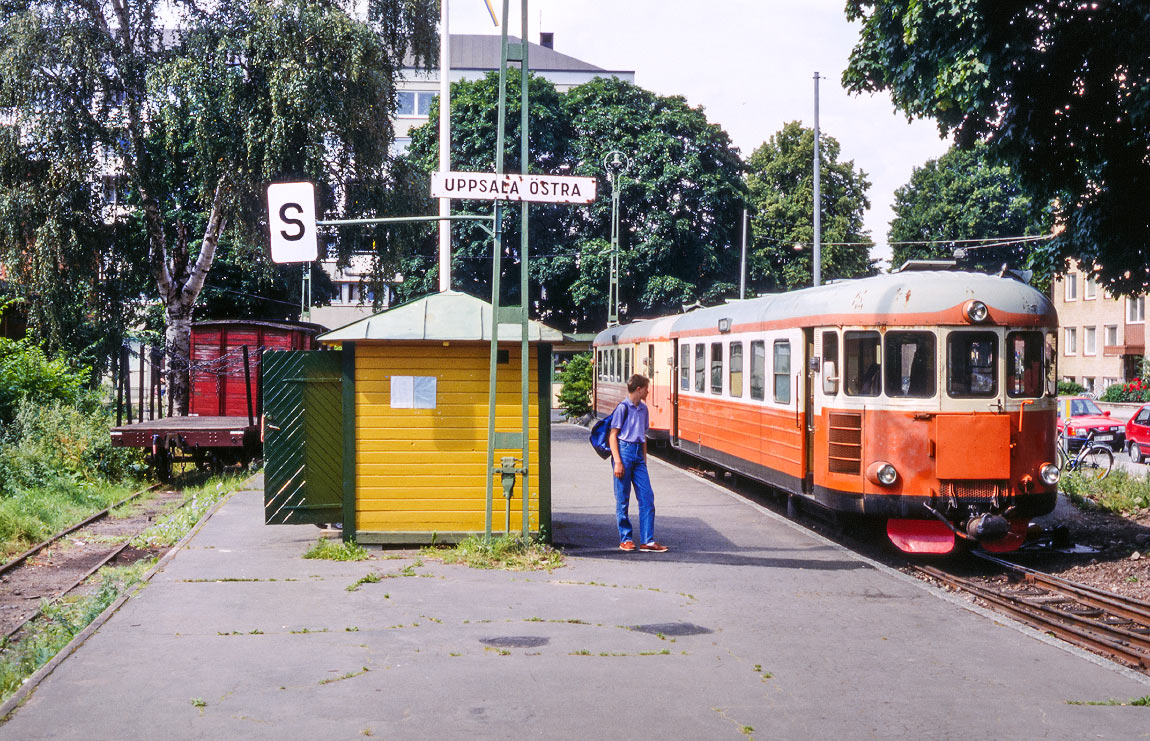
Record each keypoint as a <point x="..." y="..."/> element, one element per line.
<point x="413" y="424"/>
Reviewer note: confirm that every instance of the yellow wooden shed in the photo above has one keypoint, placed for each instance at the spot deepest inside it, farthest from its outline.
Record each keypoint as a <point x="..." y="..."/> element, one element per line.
<point x="414" y="408"/>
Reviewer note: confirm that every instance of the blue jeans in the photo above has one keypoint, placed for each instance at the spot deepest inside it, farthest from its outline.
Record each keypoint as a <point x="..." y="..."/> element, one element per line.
<point x="634" y="472"/>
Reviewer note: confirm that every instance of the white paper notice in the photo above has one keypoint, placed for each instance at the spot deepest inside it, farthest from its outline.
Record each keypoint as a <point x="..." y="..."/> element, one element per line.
<point x="413" y="392"/>
<point x="424" y="392"/>
<point x="402" y="392"/>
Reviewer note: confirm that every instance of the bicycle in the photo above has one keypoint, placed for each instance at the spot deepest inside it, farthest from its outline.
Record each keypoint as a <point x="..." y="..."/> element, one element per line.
<point x="1093" y="460"/>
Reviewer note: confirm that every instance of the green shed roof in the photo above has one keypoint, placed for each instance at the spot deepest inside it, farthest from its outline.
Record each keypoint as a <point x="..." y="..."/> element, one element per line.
<point x="449" y="315"/>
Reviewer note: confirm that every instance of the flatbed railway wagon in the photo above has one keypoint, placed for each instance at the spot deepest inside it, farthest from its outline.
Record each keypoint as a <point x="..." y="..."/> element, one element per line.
<point x="923" y="397"/>
<point x="225" y="405"/>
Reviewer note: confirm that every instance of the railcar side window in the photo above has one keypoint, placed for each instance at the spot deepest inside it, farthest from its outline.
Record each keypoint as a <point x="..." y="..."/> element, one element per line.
<point x="614" y="365"/>
<point x="783" y="371"/>
<point x="626" y="362"/>
<point x="910" y="364"/>
<point x="716" y="367"/>
<point x="685" y="367"/>
<point x="758" y="369"/>
<point x="700" y="367"/>
<point x="1052" y="363"/>
<point x="735" y="380"/>
<point x="1024" y="364"/>
<point x="863" y="360"/>
<point x="650" y="361"/>
<point x="972" y="365"/>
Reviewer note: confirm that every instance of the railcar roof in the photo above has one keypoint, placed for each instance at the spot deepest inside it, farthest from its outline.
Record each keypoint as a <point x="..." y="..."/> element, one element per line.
<point x="890" y="295"/>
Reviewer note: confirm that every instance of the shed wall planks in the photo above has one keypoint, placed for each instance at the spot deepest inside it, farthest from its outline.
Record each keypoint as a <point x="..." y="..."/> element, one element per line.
<point x="424" y="469"/>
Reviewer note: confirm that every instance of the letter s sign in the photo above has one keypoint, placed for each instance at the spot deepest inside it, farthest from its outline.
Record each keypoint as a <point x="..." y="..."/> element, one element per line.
<point x="291" y="222"/>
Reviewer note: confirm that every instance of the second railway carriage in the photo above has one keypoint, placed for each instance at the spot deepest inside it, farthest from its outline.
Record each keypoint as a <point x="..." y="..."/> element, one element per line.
<point x="922" y="397"/>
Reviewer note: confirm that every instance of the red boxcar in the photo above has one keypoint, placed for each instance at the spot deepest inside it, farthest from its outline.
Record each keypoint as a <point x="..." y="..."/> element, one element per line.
<point x="218" y="381"/>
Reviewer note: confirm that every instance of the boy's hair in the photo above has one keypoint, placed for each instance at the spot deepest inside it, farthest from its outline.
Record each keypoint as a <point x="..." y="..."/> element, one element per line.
<point x="637" y="382"/>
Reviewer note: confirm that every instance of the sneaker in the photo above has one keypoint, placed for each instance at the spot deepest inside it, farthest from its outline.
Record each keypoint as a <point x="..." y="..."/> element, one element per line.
<point x="653" y="547"/>
<point x="627" y="545"/>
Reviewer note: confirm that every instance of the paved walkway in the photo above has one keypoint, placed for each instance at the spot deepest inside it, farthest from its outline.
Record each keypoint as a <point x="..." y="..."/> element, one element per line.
<point x="749" y="627"/>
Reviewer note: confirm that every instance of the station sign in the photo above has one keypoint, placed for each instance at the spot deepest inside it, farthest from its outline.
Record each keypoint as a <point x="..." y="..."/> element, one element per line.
<point x="488" y="186"/>
<point x="291" y="218"/>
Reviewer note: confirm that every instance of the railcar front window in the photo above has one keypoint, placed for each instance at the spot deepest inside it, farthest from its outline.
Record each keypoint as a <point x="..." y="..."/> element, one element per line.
<point x="1024" y="365"/>
<point x="685" y="367"/>
<point x="910" y="364"/>
<point x="736" y="378"/>
<point x="716" y="367"/>
<point x="863" y="358"/>
<point x="758" y="369"/>
<point x="972" y="365"/>
<point x="1052" y="364"/>
<point x="700" y="367"/>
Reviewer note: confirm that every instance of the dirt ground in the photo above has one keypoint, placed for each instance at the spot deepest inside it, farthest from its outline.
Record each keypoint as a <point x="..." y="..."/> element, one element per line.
<point x="48" y="573"/>
<point x="1117" y="549"/>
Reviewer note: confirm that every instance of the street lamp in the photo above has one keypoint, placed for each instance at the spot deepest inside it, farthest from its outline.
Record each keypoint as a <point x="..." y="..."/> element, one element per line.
<point x="615" y="163"/>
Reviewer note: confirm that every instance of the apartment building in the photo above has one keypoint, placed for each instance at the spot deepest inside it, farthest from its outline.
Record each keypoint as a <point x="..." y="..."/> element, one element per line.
<point x="1102" y="337"/>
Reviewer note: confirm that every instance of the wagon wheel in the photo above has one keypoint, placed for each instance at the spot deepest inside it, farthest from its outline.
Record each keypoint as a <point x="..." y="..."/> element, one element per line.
<point x="162" y="462"/>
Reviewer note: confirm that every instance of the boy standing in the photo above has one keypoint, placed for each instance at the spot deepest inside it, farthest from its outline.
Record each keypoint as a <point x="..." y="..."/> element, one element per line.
<point x="628" y="442"/>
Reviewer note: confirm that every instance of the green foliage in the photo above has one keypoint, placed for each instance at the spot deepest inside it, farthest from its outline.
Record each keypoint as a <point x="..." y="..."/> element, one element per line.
<point x="781" y="183"/>
<point x="178" y="523"/>
<point x="508" y="552"/>
<point x="1136" y="391"/>
<point x="962" y="195"/>
<point x="59" y="623"/>
<point x="578" y="378"/>
<point x="1069" y="388"/>
<point x="1057" y="89"/>
<point x="337" y="550"/>
<point x="1119" y="492"/>
<point x="27" y="373"/>
<point x="680" y="191"/>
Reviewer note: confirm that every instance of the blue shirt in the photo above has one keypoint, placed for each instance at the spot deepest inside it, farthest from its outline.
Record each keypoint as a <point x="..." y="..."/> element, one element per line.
<point x="633" y="429"/>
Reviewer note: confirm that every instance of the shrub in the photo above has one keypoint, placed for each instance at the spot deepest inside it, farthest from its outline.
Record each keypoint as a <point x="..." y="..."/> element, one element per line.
<point x="26" y="373"/>
<point x="1069" y="388"/>
<point x="578" y="380"/>
<point x="1136" y="391"/>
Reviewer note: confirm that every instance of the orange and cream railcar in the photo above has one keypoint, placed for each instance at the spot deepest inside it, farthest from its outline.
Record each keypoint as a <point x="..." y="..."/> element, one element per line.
<point x="923" y="397"/>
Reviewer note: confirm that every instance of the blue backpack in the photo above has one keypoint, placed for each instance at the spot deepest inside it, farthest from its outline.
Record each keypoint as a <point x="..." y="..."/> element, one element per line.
<point x="601" y="433"/>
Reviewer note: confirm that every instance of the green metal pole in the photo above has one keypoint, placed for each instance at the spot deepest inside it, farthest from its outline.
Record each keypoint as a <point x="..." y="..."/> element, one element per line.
<point x="524" y="281"/>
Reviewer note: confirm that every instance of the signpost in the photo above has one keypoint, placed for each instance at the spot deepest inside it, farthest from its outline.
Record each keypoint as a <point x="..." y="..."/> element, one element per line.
<point x="492" y="186"/>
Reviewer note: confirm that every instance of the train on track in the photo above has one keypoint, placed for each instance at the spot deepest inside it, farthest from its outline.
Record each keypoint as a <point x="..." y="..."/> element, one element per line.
<point x="924" y="396"/>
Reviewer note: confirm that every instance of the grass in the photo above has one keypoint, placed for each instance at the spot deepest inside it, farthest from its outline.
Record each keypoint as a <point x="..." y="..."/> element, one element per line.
<point x="337" y="550"/>
<point x="509" y="553"/>
<point x="175" y="525"/>
<point x="1119" y="492"/>
<point x="1143" y="701"/>
<point x="371" y="578"/>
<point x="59" y="623"/>
<point x="31" y="515"/>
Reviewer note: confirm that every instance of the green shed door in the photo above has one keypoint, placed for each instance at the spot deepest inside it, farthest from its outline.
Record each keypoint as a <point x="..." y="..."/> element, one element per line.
<point x="303" y="437"/>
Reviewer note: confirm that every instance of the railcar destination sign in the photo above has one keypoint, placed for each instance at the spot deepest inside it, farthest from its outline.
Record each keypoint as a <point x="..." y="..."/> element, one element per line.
<point x="489" y="186"/>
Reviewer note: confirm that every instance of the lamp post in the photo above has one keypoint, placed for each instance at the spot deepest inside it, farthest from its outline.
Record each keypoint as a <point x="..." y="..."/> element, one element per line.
<point x="615" y="163"/>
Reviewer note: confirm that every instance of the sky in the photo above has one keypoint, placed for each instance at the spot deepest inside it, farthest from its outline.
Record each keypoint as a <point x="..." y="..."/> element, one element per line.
<point x="749" y="63"/>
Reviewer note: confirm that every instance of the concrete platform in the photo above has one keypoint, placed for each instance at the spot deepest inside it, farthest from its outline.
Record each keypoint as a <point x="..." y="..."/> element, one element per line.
<point x="753" y="628"/>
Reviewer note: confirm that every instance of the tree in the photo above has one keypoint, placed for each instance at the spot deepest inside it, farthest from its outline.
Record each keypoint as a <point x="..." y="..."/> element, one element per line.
<point x="781" y="183"/>
<point x="200" y="116"/>
<point x="681" y="198"/>
<point x="1056" y="88"/>
<point x="578" y="379"/>
<point x="965" y="195"/>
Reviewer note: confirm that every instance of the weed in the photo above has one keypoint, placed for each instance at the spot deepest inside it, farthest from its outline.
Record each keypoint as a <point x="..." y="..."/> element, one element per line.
<point x="1119" y="492"/>
<point x="342" y="677"/>
<point x="748" y="730"/>
<point x="1143" y="701"/>
<point x="255" y="632"/>
<point x="580" y="652"/>
<point x="352" y="629"/>
<point x="198" y="500"/>
<point x="509" y="553"/>
<point x="453" y="653"/>
<point x="337" y="550"/>
<point x="664" y="652"/>
<point x="408" y="570"/>
<point x="199" y="702"/>
<point x="369" y="578"/>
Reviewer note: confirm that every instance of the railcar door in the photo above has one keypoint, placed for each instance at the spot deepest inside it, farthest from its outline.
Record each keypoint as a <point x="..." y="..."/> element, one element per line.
<point x="809" y="372"/>
<point x="676" y="374"/>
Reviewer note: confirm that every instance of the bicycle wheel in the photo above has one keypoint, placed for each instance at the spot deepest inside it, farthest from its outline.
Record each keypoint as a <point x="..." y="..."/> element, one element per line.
<point x="1095" y="461"/>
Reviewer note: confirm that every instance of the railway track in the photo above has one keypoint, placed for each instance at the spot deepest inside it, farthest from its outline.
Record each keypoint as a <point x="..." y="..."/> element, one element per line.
<point x="52" y="568"/>
<point x="1109" y="624"/>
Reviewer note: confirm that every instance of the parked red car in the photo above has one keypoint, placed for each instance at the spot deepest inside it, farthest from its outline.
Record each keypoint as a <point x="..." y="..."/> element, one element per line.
<point x="1138" y="434"/>
<point x="1083" y="419"/>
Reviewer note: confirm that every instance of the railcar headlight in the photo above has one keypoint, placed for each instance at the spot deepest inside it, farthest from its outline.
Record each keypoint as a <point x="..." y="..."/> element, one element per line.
<point x="882" y="473"/>
<point x="976" y="312"/>
<point x="1049" y="474"/>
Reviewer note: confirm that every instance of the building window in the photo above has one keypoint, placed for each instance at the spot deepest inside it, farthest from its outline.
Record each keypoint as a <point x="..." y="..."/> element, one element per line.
<point x="413" y="103"/>
<point x="735" y="379"/>
<point x="1136" y="310"/>
<point x="782" y="371"/>
<point x="1071" y="283"/>
<point x="1089" y="340"/>
<point x="1108" y="382"/>
<point x="1071" y="341"/>
<point x="1111" y="336"/>
<point x="1089" y="287"/>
